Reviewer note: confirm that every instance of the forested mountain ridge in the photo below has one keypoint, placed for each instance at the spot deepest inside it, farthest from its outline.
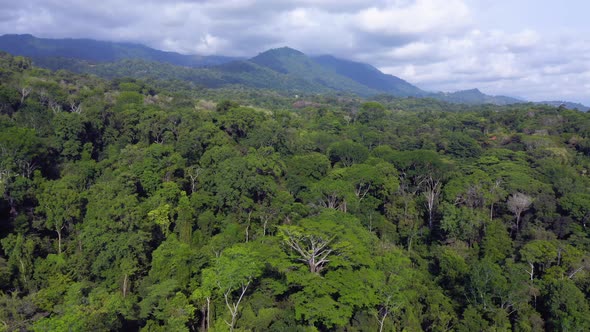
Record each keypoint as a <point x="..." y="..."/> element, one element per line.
<point x="285" y="70"/>
<point x="475" y="97"/>
<point x="370" y="76"/>
<point x="566" y="104"/>
<point x="294" y="63"/>
<point x="131" y="206"/>
<point x="99" y="51"/>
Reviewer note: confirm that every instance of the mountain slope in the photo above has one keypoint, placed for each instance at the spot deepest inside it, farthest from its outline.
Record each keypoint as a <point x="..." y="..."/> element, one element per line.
<point x="369" y="76"/>
<point x="474" y="96"/>
<point x="99" y="51"/>
<point x="283" y="69"/>
<point x="294" y="63"/>
<point x="235" y="73"/>
<point x="566" y="104"/>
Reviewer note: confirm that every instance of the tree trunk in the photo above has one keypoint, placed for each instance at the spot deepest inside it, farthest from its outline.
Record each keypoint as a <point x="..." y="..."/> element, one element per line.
<point x="208" y="313"/>
<point x="125" y="285"/>
<point x="382" y="320"/>
<point x="532" y="271"/>
<point x="58" y="241"/>
<point x="234" y="307"/>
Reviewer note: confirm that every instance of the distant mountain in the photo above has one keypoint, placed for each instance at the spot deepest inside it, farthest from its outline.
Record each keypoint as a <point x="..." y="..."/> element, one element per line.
<point x="235" y="73"/>
<point x="474" y="96"/>
<point x="99" y="51"/>
<point x="566" y="104"/>
<point x="291" y="62"/>
<point x="370" y="76"/>
<point x="282" y="69"/>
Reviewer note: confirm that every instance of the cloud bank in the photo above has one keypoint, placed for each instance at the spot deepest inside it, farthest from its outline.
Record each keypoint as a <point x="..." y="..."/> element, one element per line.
<point x="439" y="45"/>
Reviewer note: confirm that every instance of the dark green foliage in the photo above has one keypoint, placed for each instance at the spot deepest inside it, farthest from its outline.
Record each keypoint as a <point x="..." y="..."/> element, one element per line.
<point x="461" y="145"/>
<point x="134" y="205"/>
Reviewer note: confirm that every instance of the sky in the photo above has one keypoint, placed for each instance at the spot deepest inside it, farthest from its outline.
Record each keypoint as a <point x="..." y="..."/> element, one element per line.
<point x="532" y="49"/>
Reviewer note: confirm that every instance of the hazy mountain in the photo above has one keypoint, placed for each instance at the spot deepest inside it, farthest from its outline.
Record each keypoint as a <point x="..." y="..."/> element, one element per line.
<point x="474" y="96"/>
<point x="369" y="76"/>
<point x="566" y="104"/>
<point x="282" y="69"/>
<point x="294" y="63"/>
<point x="99" y="51"/>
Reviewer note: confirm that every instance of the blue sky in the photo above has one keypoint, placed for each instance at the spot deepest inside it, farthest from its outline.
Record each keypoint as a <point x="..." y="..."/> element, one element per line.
<point x="545" y="16"/>
<point x="537" y="50"/>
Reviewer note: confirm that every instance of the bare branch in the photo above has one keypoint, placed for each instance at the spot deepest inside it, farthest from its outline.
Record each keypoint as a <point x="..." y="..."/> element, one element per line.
<point x="575" y="272"/>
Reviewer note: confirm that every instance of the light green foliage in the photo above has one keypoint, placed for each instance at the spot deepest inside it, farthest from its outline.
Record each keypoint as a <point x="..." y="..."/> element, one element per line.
<point x="230" y="277"/>
<point x="371" y="112"/>
<point x="496" y="243"/>
<point x="20" y="258"/>
<point x="160" y="217"/>
<point x="185" y="219"/>
<point x="341" y="235"/>
<point x="173" y="260"/>
<point x="474" y="188"/>
<point x="240" y="121"/>
<point x="84" y="308"/>
<point x="114" y="234"/>
<point x="334" y="194"/>
<point x="19" y="147"/>
<point x="69" y="130"/>
<point x="540" y="252"/>
<point x="347" y="153"/>
<point x="129" y="98"/>
<point x="578" y="206"/>
<point x="453" y="266"/>
<point x="334" y="247"/>
<point x="463" y="223"/>
<point x="61" y="206"/>
<point x="472" y="321"/>
<point x="165" y="308"/>
<point x="379" y="181"/>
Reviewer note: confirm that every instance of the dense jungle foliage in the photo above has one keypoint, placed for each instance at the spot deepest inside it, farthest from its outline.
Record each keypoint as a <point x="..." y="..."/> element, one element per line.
<point x="134" y="205"/>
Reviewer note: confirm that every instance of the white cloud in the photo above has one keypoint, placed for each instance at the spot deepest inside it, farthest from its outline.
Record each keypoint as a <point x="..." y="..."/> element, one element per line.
<point x="411" y="51"/>
<point x="415" y="17"/>
<point x="498" y="62"/>
<point x="210" y="44"/>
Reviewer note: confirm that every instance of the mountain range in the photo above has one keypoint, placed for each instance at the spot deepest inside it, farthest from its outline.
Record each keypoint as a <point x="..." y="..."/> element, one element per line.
<point x="99" y="51"/>
<point x="282" y="69"/>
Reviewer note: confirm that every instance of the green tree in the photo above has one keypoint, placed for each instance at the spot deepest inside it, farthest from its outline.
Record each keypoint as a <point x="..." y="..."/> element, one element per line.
<point x="231" y="275"/>
<point x="578" y="206"/>
<point x="347" y="153"/>
<point x="371" y="112"/>
<point x="567" y="307"/>
<point x="61" y="206"/>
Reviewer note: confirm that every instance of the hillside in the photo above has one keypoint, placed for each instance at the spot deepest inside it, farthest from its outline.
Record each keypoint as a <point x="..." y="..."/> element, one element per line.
<point x="284" y="69"/>
<point x="99" y="51"/>
<point x="294" y="63"/>
<point x="370" y="76"/>
<point x="566" y="104"/>
<point x="474" y="96"/>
